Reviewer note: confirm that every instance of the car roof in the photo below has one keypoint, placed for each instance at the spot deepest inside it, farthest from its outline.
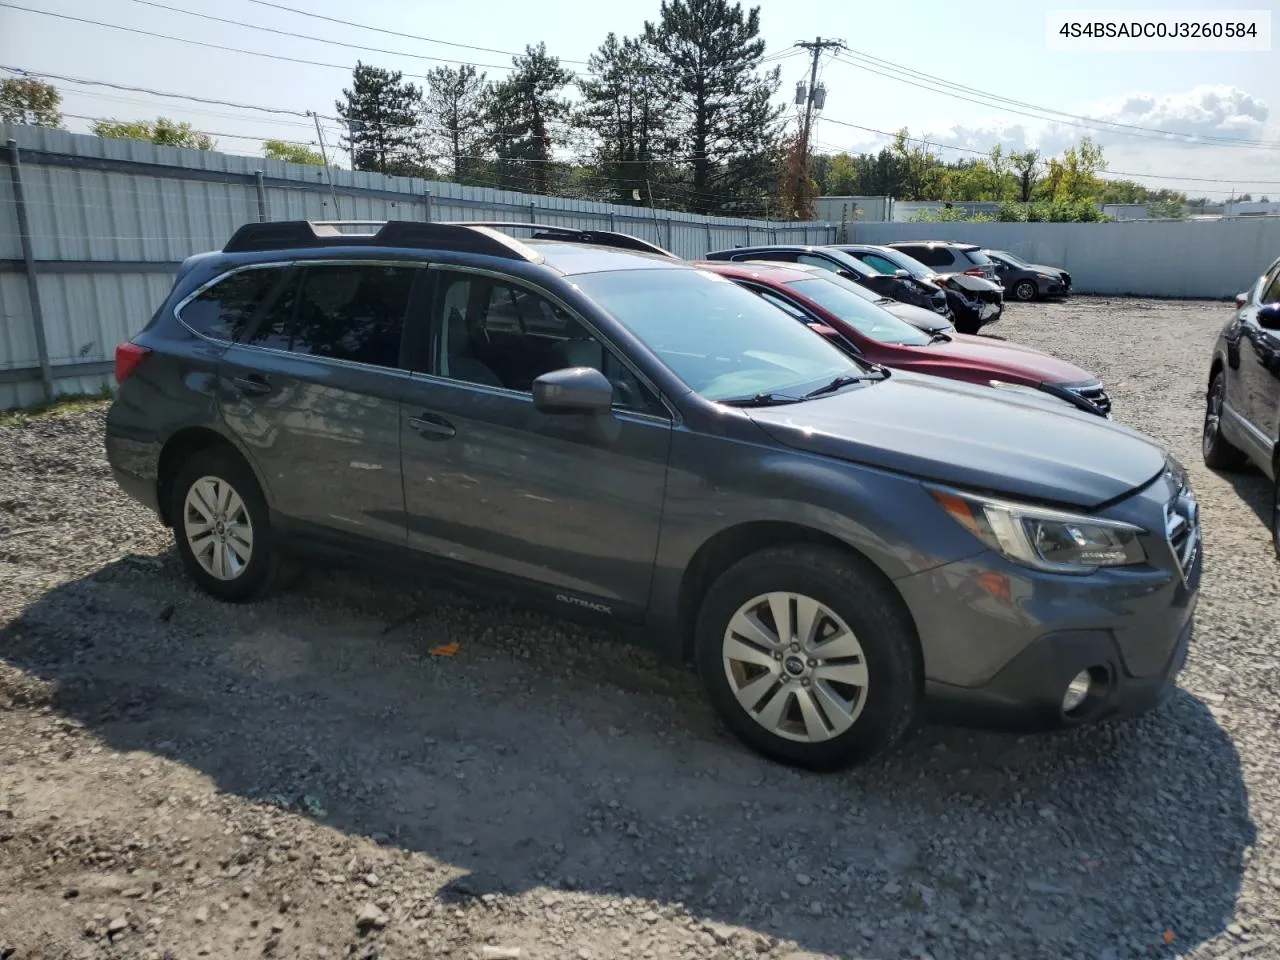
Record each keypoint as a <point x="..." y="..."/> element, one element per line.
<point x="572" y="259"/>
<point x="934" y="243"/>
<point x="753" y="269"/>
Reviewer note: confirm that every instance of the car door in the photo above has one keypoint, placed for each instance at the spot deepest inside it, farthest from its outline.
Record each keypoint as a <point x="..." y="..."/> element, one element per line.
<point x="312" y="392"/>
<point x="568" y="503"/>
<point x="1259" y="373"/>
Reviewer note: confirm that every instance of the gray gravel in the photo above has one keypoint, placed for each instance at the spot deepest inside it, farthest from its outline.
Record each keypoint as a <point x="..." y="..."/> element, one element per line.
<point x="304" y="777"/>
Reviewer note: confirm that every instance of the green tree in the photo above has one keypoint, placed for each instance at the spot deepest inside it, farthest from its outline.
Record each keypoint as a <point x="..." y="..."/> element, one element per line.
<point x="164" y="132"/>
<point x="30" y="102"/>
<point x="455" y="115"/>
<point x="709" y="55"/>
<point x="382" y="114"/>
<point x="1026" y="170"/>
<point x="1074" y="176"/>
<point x="291" y="153"/>
<point x="842" y="177"/>
<point x="522" y="113"/>
<point x="923" y="173"/>
<point x="625" y="108"/>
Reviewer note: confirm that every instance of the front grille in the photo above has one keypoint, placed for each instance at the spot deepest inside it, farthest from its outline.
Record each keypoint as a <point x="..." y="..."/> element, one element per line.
<point x="1095" y="394"/>
<point x="1182" y="529"/>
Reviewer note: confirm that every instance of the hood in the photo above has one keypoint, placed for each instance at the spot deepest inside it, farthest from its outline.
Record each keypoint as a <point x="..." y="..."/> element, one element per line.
<point x="969" y="282"/>
<point x="919" y="317"/>
<point x="1007" y="361"/>
<point x="1041" y="268"/>
<point x="971" y="436"/>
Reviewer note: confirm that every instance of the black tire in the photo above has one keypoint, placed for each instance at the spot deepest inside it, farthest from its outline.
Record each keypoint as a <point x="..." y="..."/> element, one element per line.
<point x="1275" y="506"/>
<point x="1218" y="453"/>
<point x="1025" y="290"/>
<point x="262" y="572"/>
<point x="851" y="588"/>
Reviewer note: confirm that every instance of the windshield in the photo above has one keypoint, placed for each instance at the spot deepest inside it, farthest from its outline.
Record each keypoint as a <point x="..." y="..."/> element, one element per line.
<point x="904" y="262"/>
<point x="867" y="318"/>
<point x="722" y="340"/>
<point x="1006" y="255"/>
<point x="978" y="257"/>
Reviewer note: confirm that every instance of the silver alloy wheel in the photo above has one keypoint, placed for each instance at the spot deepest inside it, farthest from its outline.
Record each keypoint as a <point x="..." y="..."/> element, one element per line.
<point x="795" y="667"/>
<point x="1025" y="290"/>
<point x="218" y="529"/>
<point x="1212" y="416"/>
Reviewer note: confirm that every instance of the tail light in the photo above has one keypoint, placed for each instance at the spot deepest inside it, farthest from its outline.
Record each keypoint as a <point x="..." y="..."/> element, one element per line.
<point x="128" y="357"/>
<point x="975" y="272"/>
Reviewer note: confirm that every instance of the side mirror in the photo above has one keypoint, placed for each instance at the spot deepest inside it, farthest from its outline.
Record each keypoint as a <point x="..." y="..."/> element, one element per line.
<point x="573" y="390"/>
<point x="1241" y="299"/>
<point x="902" y="275"/>
<point x="1269" y="316"/>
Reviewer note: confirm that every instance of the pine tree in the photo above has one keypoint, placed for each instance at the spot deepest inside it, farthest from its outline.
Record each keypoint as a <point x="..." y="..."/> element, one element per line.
<point x="454" y="113"/>
<point x="709" y="55"/>
<point x="625" y="106"/>
<point x="30" y="102"/>
<point x="382" y="114"/>
<point x="521" y="115"/>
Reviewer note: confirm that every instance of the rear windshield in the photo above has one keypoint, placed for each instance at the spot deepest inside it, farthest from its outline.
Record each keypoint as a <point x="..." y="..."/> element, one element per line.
<point x="977" y="256"/>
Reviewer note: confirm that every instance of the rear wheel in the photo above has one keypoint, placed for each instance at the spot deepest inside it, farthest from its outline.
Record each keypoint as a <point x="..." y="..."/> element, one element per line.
<point x="808" y="657"/>
<point x="1026" y="290"/>
<point x="1275" y="507"/>
<point x="222" y="526"/>
<point x="1218" y="453"/>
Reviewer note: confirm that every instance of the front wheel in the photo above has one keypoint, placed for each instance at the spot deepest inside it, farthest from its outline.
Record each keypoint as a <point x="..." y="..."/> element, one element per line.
<point x="1025" y="290"/>
<point x="1275" y="508"/>
<point x="808" y="657"/>
<point x="1218" y="452"/>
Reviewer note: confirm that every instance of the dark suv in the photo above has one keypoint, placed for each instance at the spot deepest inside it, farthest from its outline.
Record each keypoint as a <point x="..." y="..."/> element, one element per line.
<point x="625" y="436"/>
<point x="1242" y="412"/>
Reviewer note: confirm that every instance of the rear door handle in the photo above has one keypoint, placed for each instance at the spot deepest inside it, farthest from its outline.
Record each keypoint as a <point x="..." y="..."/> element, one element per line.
<point x="432" y="426"/>
<point x="253" y="383"/>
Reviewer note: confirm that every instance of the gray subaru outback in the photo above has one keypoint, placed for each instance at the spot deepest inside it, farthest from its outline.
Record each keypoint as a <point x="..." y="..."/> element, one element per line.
<point x="600" y="426"/>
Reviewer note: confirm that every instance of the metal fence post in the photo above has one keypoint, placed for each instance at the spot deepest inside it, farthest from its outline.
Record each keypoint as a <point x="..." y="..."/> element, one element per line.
<point x="29" y="269"/>
<point x="613" y="224"/>
<point x="533" y="211"/>
<point x="262" y="195"/>
<point x="427" y="194"/>
<point x="710" y="242"/>
<point x="669" y="239"/>
<point x="748" y="234"/>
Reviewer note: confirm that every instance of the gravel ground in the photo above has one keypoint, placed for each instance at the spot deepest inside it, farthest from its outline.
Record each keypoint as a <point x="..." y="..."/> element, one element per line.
<point x="305" y="777"/>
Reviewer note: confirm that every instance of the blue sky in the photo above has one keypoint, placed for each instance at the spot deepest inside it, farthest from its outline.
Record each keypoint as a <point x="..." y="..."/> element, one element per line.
<point x="991" y="46"/>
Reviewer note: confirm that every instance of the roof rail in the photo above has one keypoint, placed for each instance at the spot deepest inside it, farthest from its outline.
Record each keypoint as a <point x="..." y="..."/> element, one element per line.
<point x="470" y="238"/>
<point x="602" y="238"/>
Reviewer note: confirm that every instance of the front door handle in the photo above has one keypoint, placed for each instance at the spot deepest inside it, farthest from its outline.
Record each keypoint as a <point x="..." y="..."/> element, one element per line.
<point x="432" y="426"/>
<point x="253" y="383"/>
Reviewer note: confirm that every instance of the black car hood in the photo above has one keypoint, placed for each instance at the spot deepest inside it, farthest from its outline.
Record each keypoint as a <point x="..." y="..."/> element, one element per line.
<point x="971" y="436"/>
<point x="919" y="317"/>
<point x="1041" y="268"/>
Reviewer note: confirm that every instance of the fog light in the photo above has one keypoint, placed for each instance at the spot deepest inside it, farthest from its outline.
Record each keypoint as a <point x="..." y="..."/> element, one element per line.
<point x="1077" y="691"/>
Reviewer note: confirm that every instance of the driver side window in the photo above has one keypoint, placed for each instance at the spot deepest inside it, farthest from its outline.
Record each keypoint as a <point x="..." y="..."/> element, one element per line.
<point x="1271" y="286"/>
<point x="500" y="334"/>
<point x="822" y="262"/>
<point x="879" y="263"/>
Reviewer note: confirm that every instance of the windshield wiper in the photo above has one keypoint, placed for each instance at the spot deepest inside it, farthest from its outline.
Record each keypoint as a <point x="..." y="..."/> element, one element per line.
<point x="877" y="374"/>
<point x="761" y="400"/>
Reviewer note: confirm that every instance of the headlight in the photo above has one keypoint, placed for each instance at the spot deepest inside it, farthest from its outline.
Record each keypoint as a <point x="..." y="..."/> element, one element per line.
<point x="1043" y="276"/>
<point x="1045" y="539"/>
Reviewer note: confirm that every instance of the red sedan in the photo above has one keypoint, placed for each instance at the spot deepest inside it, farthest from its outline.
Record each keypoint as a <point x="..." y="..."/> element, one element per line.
<point x="827" y="303"/>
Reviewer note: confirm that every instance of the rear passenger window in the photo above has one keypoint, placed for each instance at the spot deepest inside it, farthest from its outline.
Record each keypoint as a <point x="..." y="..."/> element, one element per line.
<point x="224" y="310"/>
<point x="341" y="311"/>
<point x="930" y="256"/>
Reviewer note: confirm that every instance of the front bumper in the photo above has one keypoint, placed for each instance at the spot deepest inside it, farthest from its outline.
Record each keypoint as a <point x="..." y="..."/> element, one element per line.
<point x="1026" y="695"/>
<point x="1001" y="641"/>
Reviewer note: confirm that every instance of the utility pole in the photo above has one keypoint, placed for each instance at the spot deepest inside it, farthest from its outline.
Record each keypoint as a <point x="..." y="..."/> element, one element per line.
<point x="813" y="97"/>
<point x="324" y="155"/>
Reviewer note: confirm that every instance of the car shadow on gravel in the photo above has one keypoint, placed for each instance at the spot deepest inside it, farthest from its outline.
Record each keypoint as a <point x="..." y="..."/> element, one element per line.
<point x="543" y="755"/>
<point x="1254" y="489"/>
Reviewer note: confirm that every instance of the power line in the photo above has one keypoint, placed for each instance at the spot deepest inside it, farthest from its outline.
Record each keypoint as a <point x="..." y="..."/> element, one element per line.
<point x="399" y="33"/>
<point x="155" y="93"/>
<point x="303" y="36"/>
<point x="217" y="46"/>
<point x="937" y="85"/>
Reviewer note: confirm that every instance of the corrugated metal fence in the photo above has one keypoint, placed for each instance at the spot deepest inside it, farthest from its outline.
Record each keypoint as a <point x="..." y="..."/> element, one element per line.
<point x="1146" y="258"/>
<point x="101" y="226"/>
